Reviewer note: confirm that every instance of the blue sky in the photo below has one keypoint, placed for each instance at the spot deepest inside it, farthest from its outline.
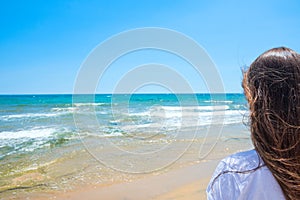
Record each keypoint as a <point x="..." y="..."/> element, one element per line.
<point x="43" y="43"/>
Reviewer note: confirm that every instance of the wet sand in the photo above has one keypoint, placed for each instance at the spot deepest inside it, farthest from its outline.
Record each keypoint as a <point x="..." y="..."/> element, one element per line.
<point x="188" y="182"/>
<point x="77" y="175"/>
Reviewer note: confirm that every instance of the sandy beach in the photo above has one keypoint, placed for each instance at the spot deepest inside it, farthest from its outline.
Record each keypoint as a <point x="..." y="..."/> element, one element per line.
<point x="187" y="178"/>
<point x="80" y="176"/>
<point x="189" y="182"/>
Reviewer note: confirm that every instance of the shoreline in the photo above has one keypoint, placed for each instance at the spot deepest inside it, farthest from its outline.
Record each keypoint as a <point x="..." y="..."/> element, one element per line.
<point x="78" y="175"/>
<point x="188" y="182"/>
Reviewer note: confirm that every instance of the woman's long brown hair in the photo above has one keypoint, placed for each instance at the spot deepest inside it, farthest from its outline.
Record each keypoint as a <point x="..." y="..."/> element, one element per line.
<point x="272" y="88"/>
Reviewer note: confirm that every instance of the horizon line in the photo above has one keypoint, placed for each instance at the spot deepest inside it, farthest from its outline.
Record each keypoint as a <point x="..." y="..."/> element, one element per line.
<point x="3" y="94"/>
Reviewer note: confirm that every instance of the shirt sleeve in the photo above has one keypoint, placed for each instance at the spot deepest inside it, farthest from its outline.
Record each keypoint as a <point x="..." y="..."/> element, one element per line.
<point x="223" y="184"/>
<point x="238" y="177"/>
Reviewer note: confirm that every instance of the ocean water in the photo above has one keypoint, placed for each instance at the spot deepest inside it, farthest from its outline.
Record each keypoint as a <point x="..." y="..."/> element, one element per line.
<point x="62" y="142"/>
<point x="32" y="122"/>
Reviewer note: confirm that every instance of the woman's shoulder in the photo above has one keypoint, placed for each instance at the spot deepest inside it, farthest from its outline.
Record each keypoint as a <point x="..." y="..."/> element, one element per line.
<point x="242" y="161"/>
<point x="236" y="168"/>
<point x="243" y="176"/>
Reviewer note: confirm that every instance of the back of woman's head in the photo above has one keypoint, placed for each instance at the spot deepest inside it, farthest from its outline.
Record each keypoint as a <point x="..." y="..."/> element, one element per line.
<point x="272" y="87"/>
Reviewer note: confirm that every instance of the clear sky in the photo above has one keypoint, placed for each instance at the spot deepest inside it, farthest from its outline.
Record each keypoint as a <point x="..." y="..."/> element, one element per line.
<point x="43" y="43"/>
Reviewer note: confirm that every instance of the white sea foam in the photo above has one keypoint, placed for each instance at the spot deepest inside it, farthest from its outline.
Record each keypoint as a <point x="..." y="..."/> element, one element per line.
<point x="218" y="101"/>
<point x="172" y="108"/>
<point x="175" y="116"/>
<point x="145" y="113"/>
<point x="186" y="118"/>
<point x="29" y="115"/>
<point x="107" y="133"/>
<point x="178" y="111"/>
<point x="67" y="109"/>
<point x="37" y="132"/>
<point x="88" y="104"/>
<point x="223" y="113"/>
<point x="213" y="108"/>
<point x="54" y="113"/>
<point x="221" y="117"/>
<point x="195" y="108"/>
<point x="35" y="166"/>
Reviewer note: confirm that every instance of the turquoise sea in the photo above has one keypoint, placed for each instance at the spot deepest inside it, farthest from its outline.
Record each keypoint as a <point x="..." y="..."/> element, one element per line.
<point x="31" y="122"/>
<point x="41" y="134"/>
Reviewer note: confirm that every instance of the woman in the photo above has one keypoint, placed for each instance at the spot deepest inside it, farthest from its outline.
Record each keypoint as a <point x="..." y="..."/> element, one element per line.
<point x="271" y="171"/>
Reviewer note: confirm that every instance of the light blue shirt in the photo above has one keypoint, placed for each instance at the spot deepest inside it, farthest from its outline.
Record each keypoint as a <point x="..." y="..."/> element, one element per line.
<point x="258" y="184"/>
